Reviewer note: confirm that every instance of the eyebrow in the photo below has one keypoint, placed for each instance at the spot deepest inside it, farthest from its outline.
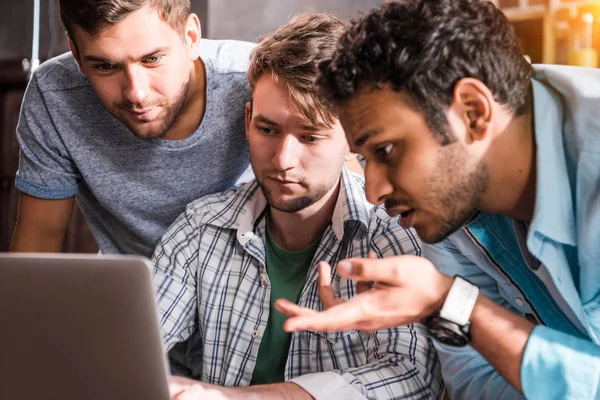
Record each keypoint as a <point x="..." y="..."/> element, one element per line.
<point x="93" y="58"/>
<point x="366" y="136"/>
<point x="264" y="120"/>
<point x="313" y="128"/>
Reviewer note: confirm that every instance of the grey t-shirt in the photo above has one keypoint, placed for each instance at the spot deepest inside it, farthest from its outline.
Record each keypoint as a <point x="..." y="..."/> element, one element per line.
<point x="130" y="189"/>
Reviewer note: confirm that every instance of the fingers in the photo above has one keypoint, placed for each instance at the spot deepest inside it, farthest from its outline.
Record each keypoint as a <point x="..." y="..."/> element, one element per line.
<point x="326" y="292"/>
<point x="178" y="385"/>
<point x="291" y="309"/>
<point x="342" y="317"/>
<point x="383" y="270"/>
<point x="362" y="287"/>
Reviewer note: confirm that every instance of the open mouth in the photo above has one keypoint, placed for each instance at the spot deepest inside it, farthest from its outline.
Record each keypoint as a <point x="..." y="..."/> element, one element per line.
<point x="406" y="218"/>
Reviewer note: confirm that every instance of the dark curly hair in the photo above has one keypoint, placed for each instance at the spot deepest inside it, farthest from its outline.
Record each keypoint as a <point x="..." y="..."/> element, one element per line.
<point x="423" y="48"/>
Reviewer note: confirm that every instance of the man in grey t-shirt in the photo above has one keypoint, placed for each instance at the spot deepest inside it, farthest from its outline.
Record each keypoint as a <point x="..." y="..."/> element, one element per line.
<point x="131" y="123"/>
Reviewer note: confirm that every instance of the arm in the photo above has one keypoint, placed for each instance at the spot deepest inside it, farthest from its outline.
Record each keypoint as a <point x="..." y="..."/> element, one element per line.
<point x="509" y="346"/>
<point x="400" y="364"/>
<point x="400" y="361"/>
<point x="41" y="224"/>
<point x="538" y="361"/>
<point x="466" y="372"/>
<point x="188" y="389"/>
<point x="47" y="178"/>
<point x="549" y="364"/>
<point x="174" y="275"/>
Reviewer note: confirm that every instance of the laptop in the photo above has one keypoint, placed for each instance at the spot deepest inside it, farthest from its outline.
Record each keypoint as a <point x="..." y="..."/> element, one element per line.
<point x="79" y="327"/>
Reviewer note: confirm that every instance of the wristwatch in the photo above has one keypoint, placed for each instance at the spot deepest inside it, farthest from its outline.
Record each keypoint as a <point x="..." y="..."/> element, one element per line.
<point x="451" y="324"/>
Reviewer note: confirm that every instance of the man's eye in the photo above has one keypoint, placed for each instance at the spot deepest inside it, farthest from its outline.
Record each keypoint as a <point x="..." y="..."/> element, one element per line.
<point x="384" y="151"/>
<point x="104" y="67"/>
<point x="311" y="138"/>
<point x="153" y="60"/>
<point x="266" y="131"/>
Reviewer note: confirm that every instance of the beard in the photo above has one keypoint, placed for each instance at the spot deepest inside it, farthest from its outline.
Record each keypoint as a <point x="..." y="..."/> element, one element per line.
<point x="158" y="127"/>
<point x="453" y="192"/>
<point x="312" y="194"/>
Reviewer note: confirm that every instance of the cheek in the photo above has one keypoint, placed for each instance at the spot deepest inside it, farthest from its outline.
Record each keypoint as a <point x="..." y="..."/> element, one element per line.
<point x="166" y="82"/>
<point x="169" y="78"/>
<point x="259" y="149"/>
<point x="108" y="90"/>
<point x="414" y="172"/>
<point x="324" y="161"/>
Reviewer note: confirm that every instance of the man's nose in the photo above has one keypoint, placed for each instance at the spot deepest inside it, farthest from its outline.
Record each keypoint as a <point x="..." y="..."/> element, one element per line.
<point x="136" y="86"/>
<point x="286" y="155"/>
<point x="377" y="185"/>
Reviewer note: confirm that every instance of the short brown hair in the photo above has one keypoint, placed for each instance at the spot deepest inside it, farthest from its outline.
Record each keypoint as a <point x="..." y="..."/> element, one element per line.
<point x="93" y="16"/>
<point x="292" y="55"/>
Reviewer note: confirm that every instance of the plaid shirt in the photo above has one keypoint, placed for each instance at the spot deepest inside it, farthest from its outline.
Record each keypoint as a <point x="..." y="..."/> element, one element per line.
<point x="212" y="284"/>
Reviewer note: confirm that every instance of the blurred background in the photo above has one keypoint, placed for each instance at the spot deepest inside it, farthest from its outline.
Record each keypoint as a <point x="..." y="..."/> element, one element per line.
<point x="550" y="31"/>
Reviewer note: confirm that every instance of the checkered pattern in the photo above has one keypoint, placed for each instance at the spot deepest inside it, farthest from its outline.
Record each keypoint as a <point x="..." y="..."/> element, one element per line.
<point x="212" y="285"/>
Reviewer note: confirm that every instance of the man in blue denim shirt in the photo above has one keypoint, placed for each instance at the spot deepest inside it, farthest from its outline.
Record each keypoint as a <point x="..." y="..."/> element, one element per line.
<point x="497" y="166"/>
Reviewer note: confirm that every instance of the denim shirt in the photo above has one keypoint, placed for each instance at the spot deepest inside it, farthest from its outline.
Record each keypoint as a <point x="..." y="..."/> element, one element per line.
<point x="553" y="272"/>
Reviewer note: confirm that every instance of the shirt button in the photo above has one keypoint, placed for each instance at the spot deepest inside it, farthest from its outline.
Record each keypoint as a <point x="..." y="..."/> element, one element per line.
<point x="519" y="302"/>
<point x="254" y="334"/>
<point x="263" y="277"/>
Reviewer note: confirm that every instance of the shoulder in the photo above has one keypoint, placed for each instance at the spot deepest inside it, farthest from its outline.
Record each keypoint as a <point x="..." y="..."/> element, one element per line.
<point x="579" y="90"/>
<point x="227" y="56"/>
<point x="218" y="206"/>
<point x="60" y="73"/>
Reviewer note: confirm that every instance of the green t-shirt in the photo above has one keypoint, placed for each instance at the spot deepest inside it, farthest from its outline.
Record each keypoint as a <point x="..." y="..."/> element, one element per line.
<point x="287" y="273"/>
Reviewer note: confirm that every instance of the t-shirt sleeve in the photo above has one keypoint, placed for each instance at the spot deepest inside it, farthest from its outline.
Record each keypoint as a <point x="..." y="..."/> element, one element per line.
<point x="46" y="169"/>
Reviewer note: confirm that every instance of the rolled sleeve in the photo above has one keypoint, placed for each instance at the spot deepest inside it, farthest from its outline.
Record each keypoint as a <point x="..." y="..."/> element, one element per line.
<point x="560" y="366"/>
<point x="327" y="385"/>
<point x="401" y="363"/>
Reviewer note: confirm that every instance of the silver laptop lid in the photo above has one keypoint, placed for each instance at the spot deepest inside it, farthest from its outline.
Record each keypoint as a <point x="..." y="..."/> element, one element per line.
<point x="79" y="327"/>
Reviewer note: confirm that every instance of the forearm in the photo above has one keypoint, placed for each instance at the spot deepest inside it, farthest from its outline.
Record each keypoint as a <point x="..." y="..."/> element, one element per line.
<point x="35" y="241"/>
<point x="500" y="336"/>
<point x="275" y="391"/>
<point x="41" y="224"/>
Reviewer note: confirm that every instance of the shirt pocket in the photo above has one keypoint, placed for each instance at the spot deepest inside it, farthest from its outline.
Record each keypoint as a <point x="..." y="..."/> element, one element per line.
<point x="338" y="350"/>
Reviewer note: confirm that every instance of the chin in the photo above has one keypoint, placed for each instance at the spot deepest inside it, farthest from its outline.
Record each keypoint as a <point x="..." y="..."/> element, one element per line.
<point x="433" y="236"/>
<point x="147" y="130"/>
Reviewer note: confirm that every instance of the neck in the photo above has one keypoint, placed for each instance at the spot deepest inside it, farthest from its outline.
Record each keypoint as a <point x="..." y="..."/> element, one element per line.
<point x="297" y="231"/>
<point x="512" y="169"/>
<point x="192" y="110"/>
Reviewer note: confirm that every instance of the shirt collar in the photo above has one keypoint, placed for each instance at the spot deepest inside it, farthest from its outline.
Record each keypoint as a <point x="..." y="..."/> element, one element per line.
<point x="554" y="213"/>
<point x="245" y="207"/>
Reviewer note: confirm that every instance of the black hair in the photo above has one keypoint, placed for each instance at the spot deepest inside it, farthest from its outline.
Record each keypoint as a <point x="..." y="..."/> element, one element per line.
<point x="423" y="48"/>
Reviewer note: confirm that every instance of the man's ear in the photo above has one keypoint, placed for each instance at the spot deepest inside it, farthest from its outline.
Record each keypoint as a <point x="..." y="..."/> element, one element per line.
<point x="352" y="163"/>
<point x="350" y="155"/>
<point x="73" y="48"/>
<point x="473" y="103"/>
<point x="248" y="117"/>
<point x="192" y="35"/>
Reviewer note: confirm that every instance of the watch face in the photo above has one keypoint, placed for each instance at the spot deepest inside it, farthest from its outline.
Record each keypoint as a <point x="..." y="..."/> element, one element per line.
<point x="447" y="336"/>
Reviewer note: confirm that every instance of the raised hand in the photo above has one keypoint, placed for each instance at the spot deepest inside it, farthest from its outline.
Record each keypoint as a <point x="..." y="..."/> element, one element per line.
<point x="406" y="289"/>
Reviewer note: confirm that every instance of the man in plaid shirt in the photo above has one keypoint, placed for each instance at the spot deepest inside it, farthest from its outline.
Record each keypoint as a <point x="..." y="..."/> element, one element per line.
<point x="223" y="263"/>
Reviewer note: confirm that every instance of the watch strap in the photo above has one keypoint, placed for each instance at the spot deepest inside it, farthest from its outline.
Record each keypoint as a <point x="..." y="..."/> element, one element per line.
<point x="460" y="301"/>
